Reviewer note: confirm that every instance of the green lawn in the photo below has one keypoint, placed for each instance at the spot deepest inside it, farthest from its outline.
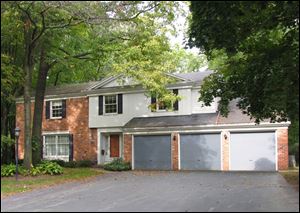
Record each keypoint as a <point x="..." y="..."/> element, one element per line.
<point x="292" y="177"/>
<point x="10" y="186"/>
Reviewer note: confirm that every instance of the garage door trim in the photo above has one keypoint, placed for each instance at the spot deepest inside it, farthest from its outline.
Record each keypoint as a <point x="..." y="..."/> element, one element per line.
<point x="253" y="131"/>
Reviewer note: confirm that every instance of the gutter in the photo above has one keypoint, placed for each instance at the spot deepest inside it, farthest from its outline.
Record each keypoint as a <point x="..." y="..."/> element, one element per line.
<point x="262" y="126"/>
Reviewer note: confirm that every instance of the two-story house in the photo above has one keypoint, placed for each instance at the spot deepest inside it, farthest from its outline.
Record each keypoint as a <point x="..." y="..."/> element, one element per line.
<point x="110" y="118"/>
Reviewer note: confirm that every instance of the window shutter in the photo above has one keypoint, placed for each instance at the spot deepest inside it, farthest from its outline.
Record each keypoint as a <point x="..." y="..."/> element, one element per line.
<point x="175" y="105"/>
<point x="64" y="109"/>
<point x="70" y="147"/>
<point x="100" y="105"/>
<point x="47" y="111"/>
<point x="120" y="103"/>
<point x="153" y="101"/>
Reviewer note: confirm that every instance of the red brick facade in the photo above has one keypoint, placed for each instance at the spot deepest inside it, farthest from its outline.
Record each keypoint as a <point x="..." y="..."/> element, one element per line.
<point x="127" y="147"/>
<point x="85" y="139"/>
<point x="76" y="122"/>
<point x="282" y="149"/>
<point x="174" y="145"/>
<point x="225" y="149"/>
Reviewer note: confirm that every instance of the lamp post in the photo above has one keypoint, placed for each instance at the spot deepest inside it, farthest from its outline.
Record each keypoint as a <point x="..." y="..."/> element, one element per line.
<point x="17" y="133"/>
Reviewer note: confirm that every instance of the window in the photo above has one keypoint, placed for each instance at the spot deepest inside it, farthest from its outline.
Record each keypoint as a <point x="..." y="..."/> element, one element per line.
<point x="110" y="104"/>
<point x="56" y="146"/>
<point x="161" y="106"/>
<point x="56" y="109"/>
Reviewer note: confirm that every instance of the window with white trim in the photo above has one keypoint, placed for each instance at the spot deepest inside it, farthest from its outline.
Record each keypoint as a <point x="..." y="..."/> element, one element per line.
<point x="110" y="104"/>
<point x="56" y="146"/>
<point x="56" y="109"/>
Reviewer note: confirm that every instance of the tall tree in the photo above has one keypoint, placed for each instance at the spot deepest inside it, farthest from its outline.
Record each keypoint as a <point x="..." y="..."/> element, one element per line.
<point x="54" y="33"/>
<point x="254" y="49"/>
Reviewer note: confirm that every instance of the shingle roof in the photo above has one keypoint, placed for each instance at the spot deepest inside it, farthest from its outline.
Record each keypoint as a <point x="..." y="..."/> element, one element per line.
<point x="195" y="76"/>
<point x="69" y="88"/>
<point x="235" y="117"/>
<point x="82" y="88"/>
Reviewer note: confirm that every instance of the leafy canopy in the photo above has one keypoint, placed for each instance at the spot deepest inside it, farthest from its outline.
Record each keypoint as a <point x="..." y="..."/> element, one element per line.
<point x="254" y="49"/>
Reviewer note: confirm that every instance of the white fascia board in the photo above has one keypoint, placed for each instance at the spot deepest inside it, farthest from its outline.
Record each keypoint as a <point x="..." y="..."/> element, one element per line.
<point x="178" y="77"/>
<point x="97" y="93"/>
<point x="232" y="127"/>
<point x="104" y="82"/>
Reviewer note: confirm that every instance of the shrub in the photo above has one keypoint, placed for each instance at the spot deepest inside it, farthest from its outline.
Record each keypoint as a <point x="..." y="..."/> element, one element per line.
<point x="50" y="168"/>
<point x="7" y="149"/>
<point x="84" y="163"/>
<point x="35" y="171"/>
<point x="117" y="165"/>
<point x="59" y="162"/>
<point x="8" y="170"/>
<point x="70" y="164"/>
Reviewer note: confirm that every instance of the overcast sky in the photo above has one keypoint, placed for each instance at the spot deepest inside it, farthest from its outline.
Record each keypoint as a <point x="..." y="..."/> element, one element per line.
<point x="182" y="27"/>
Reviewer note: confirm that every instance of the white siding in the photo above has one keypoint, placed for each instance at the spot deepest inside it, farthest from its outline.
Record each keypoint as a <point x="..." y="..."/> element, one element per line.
<point x="120" y="82"/>
<point x="197" y="106"/>
<point x="134" y="105"/>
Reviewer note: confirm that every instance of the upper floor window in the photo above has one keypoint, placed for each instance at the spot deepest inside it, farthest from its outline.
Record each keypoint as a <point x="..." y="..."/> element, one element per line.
<point x="56" y="109"/>
<point x="159" y="105"/>
<point x="110" y="104"/>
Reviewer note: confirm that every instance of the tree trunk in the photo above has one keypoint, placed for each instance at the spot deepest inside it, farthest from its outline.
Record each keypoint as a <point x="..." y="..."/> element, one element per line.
<point x="38" y="108"/>
<point x="28" y="67"/>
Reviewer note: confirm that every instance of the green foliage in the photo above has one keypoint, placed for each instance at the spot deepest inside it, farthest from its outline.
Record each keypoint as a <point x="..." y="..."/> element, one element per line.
<point x="7" y="149"/>
<point x="294" y="139"/>
<point x="8" y="170"/>
<point x="117" y="165"/>
<point x="70" y="164"/>
<point x="50" y="168"/>
<point x="46" y="167"/>
<point x="254" y="49"/>
<point x="84" y="163"/>
<point x="59" y="162"/>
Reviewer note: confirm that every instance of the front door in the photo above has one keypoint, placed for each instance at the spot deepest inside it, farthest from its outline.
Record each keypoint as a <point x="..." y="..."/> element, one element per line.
<point x="114" y="148"/>
<point x="110" y="147"/>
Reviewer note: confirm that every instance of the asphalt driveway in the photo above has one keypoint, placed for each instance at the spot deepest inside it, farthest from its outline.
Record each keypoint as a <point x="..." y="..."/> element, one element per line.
<point x="164" y="191"/>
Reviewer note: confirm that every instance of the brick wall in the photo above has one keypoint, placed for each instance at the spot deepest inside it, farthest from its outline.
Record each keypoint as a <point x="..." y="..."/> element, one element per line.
<point x="225" y="150"/>
<point x="76" y="122"/>
<point x="282" y="149"/>
<point x="174" y="148"/>
<point x="127" y="147"/>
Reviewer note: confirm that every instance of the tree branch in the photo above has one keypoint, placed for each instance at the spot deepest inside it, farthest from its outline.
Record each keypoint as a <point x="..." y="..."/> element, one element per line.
<point x="43" y="27"/>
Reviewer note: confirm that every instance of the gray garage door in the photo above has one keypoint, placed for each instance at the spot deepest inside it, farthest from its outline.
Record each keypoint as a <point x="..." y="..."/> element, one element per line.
<point x="152" y="152"/>
<point x="200" y="152"/>
<point x="252" y="151"/>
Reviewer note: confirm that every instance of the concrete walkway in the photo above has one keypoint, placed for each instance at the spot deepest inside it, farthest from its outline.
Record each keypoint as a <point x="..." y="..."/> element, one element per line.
<point x="164" y="191"/>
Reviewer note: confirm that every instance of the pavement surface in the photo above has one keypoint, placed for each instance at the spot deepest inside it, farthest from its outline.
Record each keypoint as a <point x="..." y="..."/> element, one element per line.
<point x="136" y="191"/>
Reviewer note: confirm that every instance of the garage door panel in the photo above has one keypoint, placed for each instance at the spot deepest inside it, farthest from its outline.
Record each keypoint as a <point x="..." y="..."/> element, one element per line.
<point x="200" y="152"/>
<point x="152" y="152"/>
<point x="253" y="151"/>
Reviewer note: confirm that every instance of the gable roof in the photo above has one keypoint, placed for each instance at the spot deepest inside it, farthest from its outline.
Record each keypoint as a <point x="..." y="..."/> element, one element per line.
<point x="82" y="89"/>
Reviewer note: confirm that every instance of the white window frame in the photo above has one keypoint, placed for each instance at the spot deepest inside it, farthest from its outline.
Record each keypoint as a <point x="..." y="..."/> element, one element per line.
<point x="56" y="156"/>
<point x="51" y="110"/>
<point x="104" y="108"/>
